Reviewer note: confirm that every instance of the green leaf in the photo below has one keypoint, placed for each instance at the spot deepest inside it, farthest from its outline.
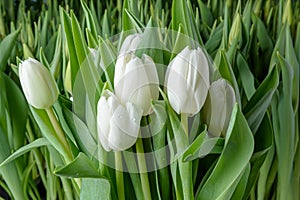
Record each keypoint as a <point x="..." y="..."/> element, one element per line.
<point x="284" y="129"/>
<point x="6" y="47"/>
<point x="80" y="167"/>
<point x="21" y="151"/>
<point x="206" y="15"/>
<point x="18" y="111"/>
<point x="93" y="188"/>
<point x="182" y="15"/>
<point x="81" y="133"/>
<point x="9" y="172"/>
<point x="260" y="101"/>
<point x="245" y="75"/>
<point x="291" y="58"/>
<point x="47" y="129"/>
<point x="202" y="146"/>
<point x="239" y="145"/>
<point x="226" y="72"/>
<point x="89" y="19"/>
<point x="158" y="130"/>
<point x="242" y="184"/>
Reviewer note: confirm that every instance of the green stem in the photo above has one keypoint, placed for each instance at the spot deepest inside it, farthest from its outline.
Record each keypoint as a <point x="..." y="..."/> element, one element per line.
<point x="143" y="169"/>
<point x="185" y="168"/>
<point x="63" y="141"/>
<point x="119" y="175"/>
<point x="60" y="135"/>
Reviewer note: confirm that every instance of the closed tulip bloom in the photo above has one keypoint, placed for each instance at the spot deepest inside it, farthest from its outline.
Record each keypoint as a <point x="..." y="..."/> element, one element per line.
<point x="218" y="107"/>
<point x="136" y="81"/>
<point x="118" y="125"/>
<point x="130" y="43"/>
<point x="187" y="81"/>
<point x="38" y="84"/>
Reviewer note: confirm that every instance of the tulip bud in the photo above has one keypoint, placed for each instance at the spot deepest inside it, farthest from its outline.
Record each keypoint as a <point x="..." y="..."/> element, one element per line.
<point x="218" y="107"/>
<point x="236" y="30"/>
<point x="187" y="81"/>
<point x="118" y="126"/>
<point x="136" y="81"/>
<point x="130" y="43"/>
<point x="67" y="79"/>
<point x="38" y="84"/>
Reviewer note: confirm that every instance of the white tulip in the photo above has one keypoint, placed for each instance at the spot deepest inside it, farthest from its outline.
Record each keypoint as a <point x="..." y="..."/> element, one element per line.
<point x="218" y="107"/>
<point x="118" y="125"/>
<point x="187" y="81"/>
<point x="38" y="84"/>
<point x="130" y="43"/>
<point x="136" y="81"/>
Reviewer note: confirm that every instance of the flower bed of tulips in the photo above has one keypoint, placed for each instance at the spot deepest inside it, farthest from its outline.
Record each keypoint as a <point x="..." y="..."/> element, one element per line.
<point x="156" y="99"/>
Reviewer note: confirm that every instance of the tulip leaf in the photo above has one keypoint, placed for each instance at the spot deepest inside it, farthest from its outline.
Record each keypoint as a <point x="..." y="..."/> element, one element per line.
<point x="6" y="46"/>
<point x="292" y="60"/>
<point x="226" y="72"/>
<point x="21" y="151"/>
<point x="158" y="130"/>
<point x="239" y="145"/>
<point x="284" y="129"/>
<point x="93" y="188"/>
<point x="242" y="184"/>
<point x="9" y="172"/>
<point x="261" y="99"/>
<point x="47" y="129"/>
<point x="245" y="75"/>
<point x="18" y="110"/>
<point x="129" y="16"/>
<point x="84" y="139"/>
<point x="206" y="15"/>
<point x="55" y="62"/>
<point x="89" y="19"/>
<point x="202" y="146"/>
<point x="182" y="14"/>
<point x="80" y="167"/>
<point x="134" y="22"/>
<point x="214" y="40"/>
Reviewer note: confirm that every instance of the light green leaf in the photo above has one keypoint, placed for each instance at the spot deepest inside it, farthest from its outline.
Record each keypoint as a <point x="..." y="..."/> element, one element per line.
<point x="21" y="151"/>
<point x="81" y="133"/>
<point x="239" y="145"/>
<point x="18" y="110"/>
<point x="93" y="188"/>
<point x="241" y="186"/>
<point x="245" y="75"/>
<point x="6" y="47"/>
<point x="89" y="19"/>
<point x="9" y="172"/>
<point x="260" y="101"/>
<point x="47" y="129"/>
<point x="80" y="167"/>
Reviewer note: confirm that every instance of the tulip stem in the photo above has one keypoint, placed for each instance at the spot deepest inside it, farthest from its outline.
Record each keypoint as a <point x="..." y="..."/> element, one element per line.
<point x="143" y="169"/>
<point x="185" y="168"/>
<point x="119" y="175"/>
<point x="60" y="135"/>
<point x="184" y="123"/>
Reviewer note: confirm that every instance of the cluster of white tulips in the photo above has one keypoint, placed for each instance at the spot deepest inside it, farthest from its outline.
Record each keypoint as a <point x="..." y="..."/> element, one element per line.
<point x="136" y="84"/>
<point x="149" y="99"/>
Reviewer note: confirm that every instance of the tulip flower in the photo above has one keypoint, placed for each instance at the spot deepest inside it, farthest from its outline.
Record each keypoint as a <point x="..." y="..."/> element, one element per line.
<point x="38" y="84"/>
<point x="130" y="43"/>
<point x="187" y="81"/>
<point x="118" y="125"/>
<point x="218" y="107"/>
<point x="136" y="81"/>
